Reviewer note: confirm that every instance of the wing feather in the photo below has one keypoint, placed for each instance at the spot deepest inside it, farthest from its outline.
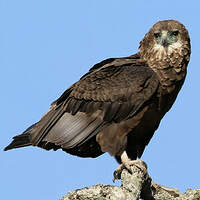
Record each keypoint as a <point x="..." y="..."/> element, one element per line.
<point x="112" y="91"/>
<point x="72" y="129"/>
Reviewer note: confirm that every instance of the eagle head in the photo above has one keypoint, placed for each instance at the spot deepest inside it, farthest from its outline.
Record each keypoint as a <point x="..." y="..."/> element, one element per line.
<point x="165" y="42"/>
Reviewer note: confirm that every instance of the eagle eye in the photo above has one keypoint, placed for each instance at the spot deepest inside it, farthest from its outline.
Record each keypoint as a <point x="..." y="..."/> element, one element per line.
<point x="175" y="33"/>
<point x="157" y="35"/>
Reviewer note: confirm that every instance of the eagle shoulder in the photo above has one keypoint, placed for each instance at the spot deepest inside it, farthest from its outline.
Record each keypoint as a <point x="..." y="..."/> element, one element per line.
<point x="125" y="83"/>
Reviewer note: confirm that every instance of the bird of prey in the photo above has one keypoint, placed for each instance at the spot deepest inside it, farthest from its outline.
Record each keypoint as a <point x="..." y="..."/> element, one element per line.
<point x="117" y="106"/>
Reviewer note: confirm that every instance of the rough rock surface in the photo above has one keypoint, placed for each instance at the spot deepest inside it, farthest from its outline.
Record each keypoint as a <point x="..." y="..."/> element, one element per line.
<point x="136" y="185"/>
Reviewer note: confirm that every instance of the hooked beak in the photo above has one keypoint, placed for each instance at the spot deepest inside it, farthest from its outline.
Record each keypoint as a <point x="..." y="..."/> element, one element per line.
<point x="164" y="42"/>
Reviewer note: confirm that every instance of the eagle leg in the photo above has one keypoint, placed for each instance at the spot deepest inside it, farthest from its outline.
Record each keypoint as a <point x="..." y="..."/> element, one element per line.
<point x="126" y="164"/>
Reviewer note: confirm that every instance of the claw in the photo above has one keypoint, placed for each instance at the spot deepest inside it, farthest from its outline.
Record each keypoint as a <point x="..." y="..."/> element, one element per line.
<point x="117" y="172"/>
<point x="126" y="164"/>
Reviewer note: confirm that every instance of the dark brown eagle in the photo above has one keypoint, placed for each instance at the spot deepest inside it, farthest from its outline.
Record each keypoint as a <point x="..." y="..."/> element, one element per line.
<point x="117" y="106"/>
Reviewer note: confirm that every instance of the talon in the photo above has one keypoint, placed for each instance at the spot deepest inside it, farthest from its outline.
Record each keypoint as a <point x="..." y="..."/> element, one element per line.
<point x="117" y="172"/>
<point x="116" y="176"/>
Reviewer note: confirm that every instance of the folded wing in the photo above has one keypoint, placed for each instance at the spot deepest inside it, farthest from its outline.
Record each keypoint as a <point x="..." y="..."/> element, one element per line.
<point x="112" y="91"/>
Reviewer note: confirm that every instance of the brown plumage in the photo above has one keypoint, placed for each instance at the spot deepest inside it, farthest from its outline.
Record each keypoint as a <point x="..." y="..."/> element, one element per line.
<point x="117" y="106"/>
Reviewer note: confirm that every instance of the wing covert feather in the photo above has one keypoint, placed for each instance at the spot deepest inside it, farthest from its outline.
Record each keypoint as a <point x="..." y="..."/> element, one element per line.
<point x="121" y="89"/>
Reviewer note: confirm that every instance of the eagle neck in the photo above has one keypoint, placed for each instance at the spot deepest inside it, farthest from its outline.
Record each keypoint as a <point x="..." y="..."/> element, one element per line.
<point x="171" y="67"/>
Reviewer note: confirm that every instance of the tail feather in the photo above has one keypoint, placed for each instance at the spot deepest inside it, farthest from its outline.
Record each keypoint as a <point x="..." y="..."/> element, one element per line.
<point x="22" y="140"/>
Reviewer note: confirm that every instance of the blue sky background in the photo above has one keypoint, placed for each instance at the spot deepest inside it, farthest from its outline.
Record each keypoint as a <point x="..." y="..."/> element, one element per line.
<point x="47" y="45"/>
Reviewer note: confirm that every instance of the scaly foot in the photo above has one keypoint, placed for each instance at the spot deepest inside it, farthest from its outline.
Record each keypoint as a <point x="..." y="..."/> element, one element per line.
<point x="126" y="164"/>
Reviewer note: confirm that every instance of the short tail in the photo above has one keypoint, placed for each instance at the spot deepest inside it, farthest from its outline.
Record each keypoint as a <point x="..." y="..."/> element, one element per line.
<point x="21" y="140"/>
